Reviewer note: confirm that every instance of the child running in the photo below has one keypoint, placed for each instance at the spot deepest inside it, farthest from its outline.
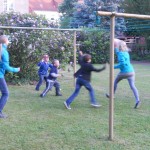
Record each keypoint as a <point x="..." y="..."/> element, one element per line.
<point x="44" y="65"/>
<point x="52" y="79"/>
<point x="83" y="76"/>
<point x="126" y="69"/>
<point x="4" y="66"/>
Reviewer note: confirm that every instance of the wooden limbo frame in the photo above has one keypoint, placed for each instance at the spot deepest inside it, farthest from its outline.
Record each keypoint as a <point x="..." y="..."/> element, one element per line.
<point x="52" y="29"/>
<point x="112" y="16"/>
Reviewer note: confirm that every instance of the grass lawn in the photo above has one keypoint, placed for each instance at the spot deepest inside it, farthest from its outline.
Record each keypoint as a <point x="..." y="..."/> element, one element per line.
<point x="36" y="123"/>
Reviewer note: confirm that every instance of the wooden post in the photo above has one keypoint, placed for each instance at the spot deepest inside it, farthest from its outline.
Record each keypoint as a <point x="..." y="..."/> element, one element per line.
<point x="111" y="88"/>
<point x="111" y="80"/>
<point x="75" y="50"/>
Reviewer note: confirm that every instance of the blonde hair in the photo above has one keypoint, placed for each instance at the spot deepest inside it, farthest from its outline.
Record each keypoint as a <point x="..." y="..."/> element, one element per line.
<point x="3" y="40"/>
<point x="123" y="46"/>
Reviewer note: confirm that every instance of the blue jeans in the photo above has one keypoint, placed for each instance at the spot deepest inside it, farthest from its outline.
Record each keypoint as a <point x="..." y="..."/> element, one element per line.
<point x="41" y="78"/>
<point x="5" y="93"/>
<point x="79" y="83"/>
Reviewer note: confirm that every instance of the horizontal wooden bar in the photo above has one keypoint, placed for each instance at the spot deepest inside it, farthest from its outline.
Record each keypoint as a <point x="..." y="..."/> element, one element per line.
<point x="126" y="15"/>
<point x="35" y="28"/>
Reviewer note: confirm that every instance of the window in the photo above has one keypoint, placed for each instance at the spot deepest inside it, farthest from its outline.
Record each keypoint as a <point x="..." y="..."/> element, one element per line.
<point x="8" y="5"/>
<point x="5" y="5"/>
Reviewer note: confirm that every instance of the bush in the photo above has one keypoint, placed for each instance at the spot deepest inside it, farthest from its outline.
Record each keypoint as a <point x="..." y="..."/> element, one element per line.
<point x="95" y="43"/>
<point x="27" y="46"/>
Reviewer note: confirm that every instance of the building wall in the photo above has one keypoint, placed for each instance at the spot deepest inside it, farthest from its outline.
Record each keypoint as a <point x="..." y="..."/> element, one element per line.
<point x="21" y="6"/>
<point x="1" y="5"/>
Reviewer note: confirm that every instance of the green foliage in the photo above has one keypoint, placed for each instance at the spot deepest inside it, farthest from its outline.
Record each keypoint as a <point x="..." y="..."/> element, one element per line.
<point x="138" y="27"/>
<point x="97" y="44"/>
<point x="28" y="46"/>
<point x="66" y="8"/>
<point x="137" y="6"/>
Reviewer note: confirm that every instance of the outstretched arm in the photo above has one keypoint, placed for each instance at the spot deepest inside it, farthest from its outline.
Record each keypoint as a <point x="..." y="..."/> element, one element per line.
<point x="98" y="70"/>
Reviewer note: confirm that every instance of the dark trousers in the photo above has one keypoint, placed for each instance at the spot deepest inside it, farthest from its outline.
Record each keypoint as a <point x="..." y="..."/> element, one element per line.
<point x="41" y="78"/>
<point x="49" y="85"/>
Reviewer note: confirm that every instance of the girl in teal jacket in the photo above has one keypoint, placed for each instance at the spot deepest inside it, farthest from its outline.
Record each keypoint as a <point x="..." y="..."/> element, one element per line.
<point x="126" y="70"/>
<point x="4" y="65"/>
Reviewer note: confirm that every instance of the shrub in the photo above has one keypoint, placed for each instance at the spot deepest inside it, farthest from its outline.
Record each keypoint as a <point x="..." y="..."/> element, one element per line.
<point x="95" y="43"/>
<point x="27" y="46"/>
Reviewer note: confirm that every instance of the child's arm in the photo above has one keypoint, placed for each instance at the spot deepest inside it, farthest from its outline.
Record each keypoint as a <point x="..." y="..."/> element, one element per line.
<point x="39" y="63"/>
<point x="77" y="73"/>
<point x="98" y="70"/>
<point x="121" y="60"/>
<point x="50" y="65"/>
<point x="6" y="65"/>
<point x="55" y="75"/>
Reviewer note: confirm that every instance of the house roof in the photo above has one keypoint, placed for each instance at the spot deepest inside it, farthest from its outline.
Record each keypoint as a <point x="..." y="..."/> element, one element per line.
<point x="44" y="5"/>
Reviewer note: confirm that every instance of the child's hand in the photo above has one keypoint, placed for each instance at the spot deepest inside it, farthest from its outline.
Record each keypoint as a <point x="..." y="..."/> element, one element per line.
<point x="18" y="69"/>
<point x="59" y="75"/>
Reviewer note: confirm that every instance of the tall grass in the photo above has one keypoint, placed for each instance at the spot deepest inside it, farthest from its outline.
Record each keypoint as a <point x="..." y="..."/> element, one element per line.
<point x="36" y="123"/>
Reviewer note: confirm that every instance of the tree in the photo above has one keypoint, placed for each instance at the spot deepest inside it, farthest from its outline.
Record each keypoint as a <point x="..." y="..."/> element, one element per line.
<point x="137" y="6"/>
<point x="84" y="15"/>
<point x="137" y="26"/>
<point x="66" y="8"/>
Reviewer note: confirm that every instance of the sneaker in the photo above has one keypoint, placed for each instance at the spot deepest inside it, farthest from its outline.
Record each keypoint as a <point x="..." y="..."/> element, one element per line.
<point x="96" y="105"/>
<point x="137" y="105"/>
<point x="41" y="95"/>
<point x="66" y="105"/>
<point x="3" y="116"/>
<point x="59" y="94"/>
<point x="107" y="95"/>
<point x="36" y="89"/>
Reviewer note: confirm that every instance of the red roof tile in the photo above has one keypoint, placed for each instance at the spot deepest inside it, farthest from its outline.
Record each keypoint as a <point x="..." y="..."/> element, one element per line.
<point x="44" y="5"/>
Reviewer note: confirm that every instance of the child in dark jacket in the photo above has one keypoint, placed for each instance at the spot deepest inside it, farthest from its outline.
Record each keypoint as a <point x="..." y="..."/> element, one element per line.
<point x="44" y="65"/>
<point x="52" y="80"/>
<point x="83" y="76"/>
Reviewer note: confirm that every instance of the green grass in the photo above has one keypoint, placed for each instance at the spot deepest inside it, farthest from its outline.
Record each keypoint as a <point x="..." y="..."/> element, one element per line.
<point x="45" y="124"/>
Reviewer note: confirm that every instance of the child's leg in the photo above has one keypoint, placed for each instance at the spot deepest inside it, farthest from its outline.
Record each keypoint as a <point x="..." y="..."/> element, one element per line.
<point x="131" y="81"/>
<point x="41" y="78"/>
<point x="45" y="78"/>
<point x="91" y="92"/>
<point x="57" y="88"/>
<point x="75" y="93"/>
<point x="117" y="80"/>
<point x="48" y="87"/>
<point x="5" y="93"/>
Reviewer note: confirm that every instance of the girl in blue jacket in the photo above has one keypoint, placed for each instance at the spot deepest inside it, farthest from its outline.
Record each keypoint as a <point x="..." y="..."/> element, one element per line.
<point x="4" y="65"/>
<point x="126" y="69"/>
